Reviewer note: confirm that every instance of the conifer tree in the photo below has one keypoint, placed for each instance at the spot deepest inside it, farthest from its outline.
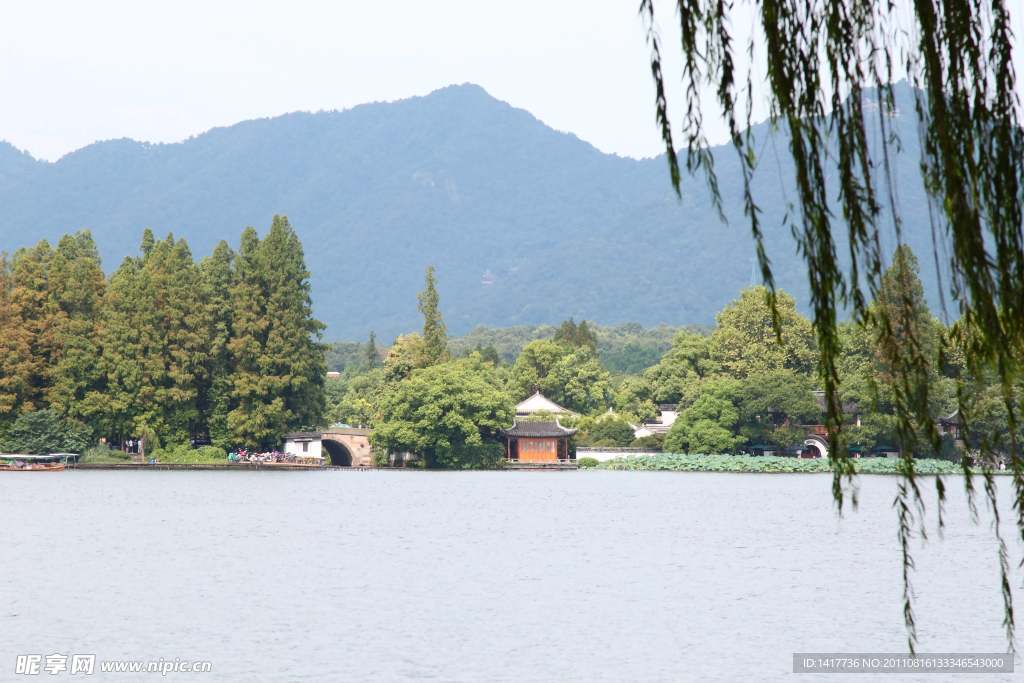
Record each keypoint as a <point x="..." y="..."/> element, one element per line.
<point x="576" y="335"/>
<point x="155" y="336"/>
<point x="148" y="241"/>
<point x="279" y="364"/>
<point x="181" y="323"/>
<point x="29" y="297"/>
<point x="124" y="337"/>
<point x="246" y="422"/>
<point x="16" y="361"/>
<point x="435" y="336"/>
<point x="906" y="337"/>
<point x="218" y="279"/>
<point x="585" y="337"/>
<point x="372" y="354"/>
<point x="901" y="306"/>
<point x="566" y="332"/>
<point x="75" y="293"/>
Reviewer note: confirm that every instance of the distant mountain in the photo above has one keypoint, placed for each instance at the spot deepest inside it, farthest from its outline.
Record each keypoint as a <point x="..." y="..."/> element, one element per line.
<point x="526" y="225"/>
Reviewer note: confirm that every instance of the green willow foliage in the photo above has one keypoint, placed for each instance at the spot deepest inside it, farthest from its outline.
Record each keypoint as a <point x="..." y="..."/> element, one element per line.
<point x="827" y="62"/>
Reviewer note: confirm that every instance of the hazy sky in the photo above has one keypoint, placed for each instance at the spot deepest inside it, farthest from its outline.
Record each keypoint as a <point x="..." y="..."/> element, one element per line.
<point x="74" y="72"/>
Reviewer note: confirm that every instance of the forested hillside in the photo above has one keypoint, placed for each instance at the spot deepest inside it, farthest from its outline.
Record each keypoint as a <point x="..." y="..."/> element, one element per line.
<point x="525" y="225"/>
<point x="625" y="348"/>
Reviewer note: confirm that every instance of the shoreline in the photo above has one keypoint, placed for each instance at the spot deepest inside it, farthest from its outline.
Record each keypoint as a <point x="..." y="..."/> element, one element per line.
<point x="250" y="467"/>
<point x="198" y="466"/>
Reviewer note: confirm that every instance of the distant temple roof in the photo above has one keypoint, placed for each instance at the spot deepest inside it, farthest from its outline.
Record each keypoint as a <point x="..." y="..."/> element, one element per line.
<point x="539" y="403"/>
<point x="538" y="429"/>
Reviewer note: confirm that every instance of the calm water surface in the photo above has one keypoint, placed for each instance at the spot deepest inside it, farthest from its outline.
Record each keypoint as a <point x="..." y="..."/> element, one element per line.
<point x="485" y="576"/>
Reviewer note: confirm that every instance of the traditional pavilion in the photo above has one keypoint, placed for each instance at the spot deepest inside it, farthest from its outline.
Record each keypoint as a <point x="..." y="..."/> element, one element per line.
<point x="539" y="403"/>
<point x="950" y="425"/>
<point x="536" y="436"/>
<point x="531" y="441"/>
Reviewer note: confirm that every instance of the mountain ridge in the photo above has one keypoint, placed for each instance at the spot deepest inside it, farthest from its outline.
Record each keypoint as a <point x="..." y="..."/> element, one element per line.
<point x="525" y="224"/>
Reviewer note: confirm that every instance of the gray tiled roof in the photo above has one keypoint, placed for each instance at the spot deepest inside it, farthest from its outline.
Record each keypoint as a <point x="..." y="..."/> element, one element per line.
<point x="538" y="429"/>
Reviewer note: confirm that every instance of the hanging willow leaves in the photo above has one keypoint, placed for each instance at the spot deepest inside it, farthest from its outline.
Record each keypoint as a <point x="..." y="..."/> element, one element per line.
<point x="830" y="69"/>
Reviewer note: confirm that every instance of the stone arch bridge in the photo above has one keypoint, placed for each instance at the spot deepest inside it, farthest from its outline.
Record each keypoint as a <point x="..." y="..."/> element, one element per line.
<point x="344" y="446"/>
<point x="348" y="447"/>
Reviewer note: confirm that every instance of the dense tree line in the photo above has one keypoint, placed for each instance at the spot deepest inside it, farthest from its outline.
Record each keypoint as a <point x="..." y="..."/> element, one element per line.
<point x="225" y="348"/>
<point x="750" y="381"/>
<point x="624" y="348"/>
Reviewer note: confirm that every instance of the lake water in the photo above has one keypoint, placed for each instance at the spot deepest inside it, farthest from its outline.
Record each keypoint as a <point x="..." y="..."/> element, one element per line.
<point x="477" y="576"/>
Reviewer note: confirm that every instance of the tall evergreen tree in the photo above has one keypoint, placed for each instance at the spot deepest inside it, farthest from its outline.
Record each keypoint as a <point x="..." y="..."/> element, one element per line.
<point x="901" y="315"/>
<point x="17" y="365"/>
<point x="148" y="242"/>
<point x="585" y="337"/>
<point x="293" y="340"/>
<point x="217" y="280"/>
<point x="183" y="326"/>
<point x="576" y="335"/>
<point x="155" y="335"/>
<point x="906" y="337"/>
<point x="247" y="424"/>
<point x="372" y="354"/>
<point x="76" y="284"/>
<point x="435" y="335"/>
<point x="29" y="296"/>
<point x="279" y="364"/>
<point x="124" y="335"/>
<point x="566" y="332"/>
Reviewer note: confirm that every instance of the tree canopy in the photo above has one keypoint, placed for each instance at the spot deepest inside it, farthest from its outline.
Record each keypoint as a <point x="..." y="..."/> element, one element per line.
<point x="570" y="376"/>
<point x="446" y="413"/>
<point x="751" y="338"/>
<point x="707" y="426"/>
<point x="225" y="349"/>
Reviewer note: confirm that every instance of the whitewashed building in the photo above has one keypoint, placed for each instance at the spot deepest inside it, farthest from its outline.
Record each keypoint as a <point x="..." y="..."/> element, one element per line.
<point x="304" y="444"/>
<point x="667" y="415"/>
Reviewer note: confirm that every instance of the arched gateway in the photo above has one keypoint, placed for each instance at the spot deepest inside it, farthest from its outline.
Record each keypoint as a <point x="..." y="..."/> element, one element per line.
<point x="818" y="443"/>
<point x="345" y="446"/>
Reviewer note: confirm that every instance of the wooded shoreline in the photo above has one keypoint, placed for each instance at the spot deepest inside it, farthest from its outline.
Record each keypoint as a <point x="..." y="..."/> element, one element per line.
<point x="248" y="467"/>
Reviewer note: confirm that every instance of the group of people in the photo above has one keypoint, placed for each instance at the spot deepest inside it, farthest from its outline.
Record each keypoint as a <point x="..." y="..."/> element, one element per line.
<point x="133" y="446"/>
<point x="243" y="455"/>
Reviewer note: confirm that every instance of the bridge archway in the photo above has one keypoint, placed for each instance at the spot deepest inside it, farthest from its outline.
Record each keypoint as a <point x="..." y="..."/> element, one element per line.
<point x="348" y="446"/>
<point x="339" y="454"/>
<point x="819" y="444"/>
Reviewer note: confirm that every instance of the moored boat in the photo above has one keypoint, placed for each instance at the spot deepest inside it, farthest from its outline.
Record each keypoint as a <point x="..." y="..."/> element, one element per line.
<point x="19" y="466"/>
<point x="31" y="463"/>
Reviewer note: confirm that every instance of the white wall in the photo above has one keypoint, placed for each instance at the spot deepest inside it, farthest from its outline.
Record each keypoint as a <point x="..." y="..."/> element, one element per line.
<point x="295" y="448"/>
<point x="606" y="454"/>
